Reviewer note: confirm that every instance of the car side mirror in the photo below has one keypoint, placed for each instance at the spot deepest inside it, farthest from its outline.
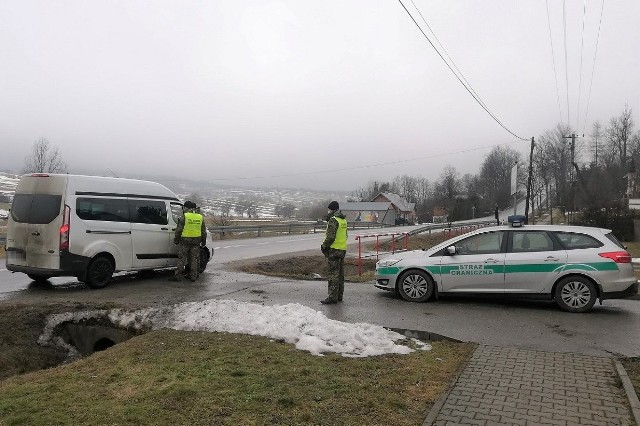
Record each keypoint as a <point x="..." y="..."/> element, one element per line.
<point x="451" y="250"/>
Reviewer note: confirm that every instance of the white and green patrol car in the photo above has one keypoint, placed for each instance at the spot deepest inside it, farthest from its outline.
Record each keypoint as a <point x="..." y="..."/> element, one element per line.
<point x="572" y="265"/>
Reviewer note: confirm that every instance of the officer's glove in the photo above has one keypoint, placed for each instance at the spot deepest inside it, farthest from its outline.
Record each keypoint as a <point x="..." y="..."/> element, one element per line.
<point x="176" y="242"/>
<point x="323" y="249"/>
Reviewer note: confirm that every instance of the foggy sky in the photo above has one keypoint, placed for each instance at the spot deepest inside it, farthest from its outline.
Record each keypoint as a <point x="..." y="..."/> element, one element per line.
<point x="316" y="94"/>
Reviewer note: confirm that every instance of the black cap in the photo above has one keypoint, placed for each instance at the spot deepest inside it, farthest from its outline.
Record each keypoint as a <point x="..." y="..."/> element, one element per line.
<point x="334" y="206"/>
<point x="189" y="205"/>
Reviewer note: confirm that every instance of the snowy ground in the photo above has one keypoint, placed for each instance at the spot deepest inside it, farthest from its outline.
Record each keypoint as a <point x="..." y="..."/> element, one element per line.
<point x="308" y="329"/>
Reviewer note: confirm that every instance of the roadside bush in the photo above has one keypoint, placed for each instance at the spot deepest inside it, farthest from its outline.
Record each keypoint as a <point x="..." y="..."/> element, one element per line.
<point x="619" y="220"/>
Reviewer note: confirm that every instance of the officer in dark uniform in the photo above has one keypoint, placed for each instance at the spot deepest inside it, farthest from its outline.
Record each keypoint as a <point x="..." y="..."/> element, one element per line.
<point x="190" y="235"/>
<point x="334" y="248"/>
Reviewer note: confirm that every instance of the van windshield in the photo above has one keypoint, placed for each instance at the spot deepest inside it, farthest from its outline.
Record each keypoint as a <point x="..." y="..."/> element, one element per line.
<point x="35" y="208"/>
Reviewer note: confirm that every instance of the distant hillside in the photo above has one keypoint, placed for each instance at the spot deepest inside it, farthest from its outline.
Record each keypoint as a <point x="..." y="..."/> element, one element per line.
<point x="216" y="199"/>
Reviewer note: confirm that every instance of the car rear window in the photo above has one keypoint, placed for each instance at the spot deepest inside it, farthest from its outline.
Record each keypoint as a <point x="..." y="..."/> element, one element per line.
<point x="575" y="240"/>
<point x="614" y="240"/>
<point x="37" y="209"/>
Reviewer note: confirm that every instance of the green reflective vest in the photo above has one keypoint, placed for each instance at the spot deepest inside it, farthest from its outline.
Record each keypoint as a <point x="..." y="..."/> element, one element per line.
<point x="192" y="225"/>
<point x="340" y="242"/>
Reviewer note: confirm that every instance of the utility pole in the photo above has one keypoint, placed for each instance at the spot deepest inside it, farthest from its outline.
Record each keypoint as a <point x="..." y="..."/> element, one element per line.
<point x="572" y="203"/>
<point x="526" y="208"/>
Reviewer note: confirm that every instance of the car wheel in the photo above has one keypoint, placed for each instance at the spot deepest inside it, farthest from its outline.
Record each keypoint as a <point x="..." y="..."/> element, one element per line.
<point x="575" y="294"/>
<point x="204" y="259"/>
<point x="415" y="286"/>
<point x="99" y="272"/>
<point x="38" y="278"/>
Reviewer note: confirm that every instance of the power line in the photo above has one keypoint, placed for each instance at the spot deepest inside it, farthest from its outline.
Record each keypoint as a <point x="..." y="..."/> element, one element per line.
<point x="466" y="85"/>
<point x="566" y="61"/>
<point x="553" y="57"/>
<point x="584" y="17"/>
<point x="406" y="160"/>
<point x="593" y="68"/>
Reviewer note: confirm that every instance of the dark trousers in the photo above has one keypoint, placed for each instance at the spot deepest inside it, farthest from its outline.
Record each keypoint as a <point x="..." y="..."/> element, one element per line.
<point x="335" y="275"/>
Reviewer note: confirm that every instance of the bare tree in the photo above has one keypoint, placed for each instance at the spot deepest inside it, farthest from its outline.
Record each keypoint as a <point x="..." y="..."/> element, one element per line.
<point x="44" y="159"/>
<point x="619" y="133"/>
<point x="495" y="176"/>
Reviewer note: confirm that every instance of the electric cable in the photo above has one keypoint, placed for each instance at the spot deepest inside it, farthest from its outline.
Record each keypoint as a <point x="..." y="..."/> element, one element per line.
<point x="388" y="163"/>
<point x="595" y="54"/>
<point x="584" y="17"/>
<point x="553" y="57"/>
<point x="445" y="51"/>
<point x="566" y="60"/>
<point x="471" y="92"/>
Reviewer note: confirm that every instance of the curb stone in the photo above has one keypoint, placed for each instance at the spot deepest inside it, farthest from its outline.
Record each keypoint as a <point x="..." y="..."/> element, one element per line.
<point x="437" y="406"/>
<point x="629" y="390"/>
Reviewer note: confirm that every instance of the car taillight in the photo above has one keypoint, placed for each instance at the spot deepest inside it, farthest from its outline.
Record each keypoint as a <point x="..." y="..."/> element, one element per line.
<point x="617" y="256"/>
<point x="64" y="229"/>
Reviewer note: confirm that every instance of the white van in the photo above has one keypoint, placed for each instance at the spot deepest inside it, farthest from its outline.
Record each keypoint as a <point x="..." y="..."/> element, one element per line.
<point x="90" y="227"/>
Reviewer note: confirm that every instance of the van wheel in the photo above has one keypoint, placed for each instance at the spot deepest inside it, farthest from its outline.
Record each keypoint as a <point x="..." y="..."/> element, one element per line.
<point x="204" y="259"/>
<point x="415" y="286"/>
<point x="575" y="294"/>
<point x="39" y="278"/>
<point x="99" y="272"/>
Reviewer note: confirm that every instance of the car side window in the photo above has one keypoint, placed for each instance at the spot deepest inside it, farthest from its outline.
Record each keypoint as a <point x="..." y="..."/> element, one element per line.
<point x="574" y="240"/>
<point x="531" y="241"/>
<point x="147" y="211"/>
<point x="490" y="242"/>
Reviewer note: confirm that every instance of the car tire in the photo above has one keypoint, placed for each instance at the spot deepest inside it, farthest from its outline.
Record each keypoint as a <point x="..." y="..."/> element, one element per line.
<point x="99" y="272"/>
<point x="415" y="286"/>
<point x="575" y="294"/>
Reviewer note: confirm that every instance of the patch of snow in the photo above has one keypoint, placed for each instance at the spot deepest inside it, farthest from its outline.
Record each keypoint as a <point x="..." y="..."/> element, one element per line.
<point x="306" y="328"/>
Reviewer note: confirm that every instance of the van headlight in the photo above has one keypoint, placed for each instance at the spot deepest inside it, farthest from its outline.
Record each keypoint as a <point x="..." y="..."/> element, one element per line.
<point x="387" y="262"/>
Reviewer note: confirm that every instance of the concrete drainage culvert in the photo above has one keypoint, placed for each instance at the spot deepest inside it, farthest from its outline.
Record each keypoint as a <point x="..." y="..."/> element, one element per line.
<point x="82" y="333"/>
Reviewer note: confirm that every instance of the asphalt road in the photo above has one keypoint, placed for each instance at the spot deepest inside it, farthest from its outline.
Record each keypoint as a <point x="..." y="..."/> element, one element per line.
<point x="608" y="329"/>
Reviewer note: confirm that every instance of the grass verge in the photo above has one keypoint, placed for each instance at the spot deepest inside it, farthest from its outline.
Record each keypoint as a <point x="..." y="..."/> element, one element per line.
<point x="170" y="377"/>
<point x="632" y="366"/>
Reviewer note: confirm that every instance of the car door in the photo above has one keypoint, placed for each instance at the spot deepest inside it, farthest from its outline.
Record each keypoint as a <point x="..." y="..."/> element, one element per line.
<point x="476" y="266"/>
<point x="533" y="262"/>
<point x="150" y="233"/>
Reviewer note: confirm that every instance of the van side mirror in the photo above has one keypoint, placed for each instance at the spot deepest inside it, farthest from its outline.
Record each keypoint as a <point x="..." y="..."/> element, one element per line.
<point x="451" y="250"/>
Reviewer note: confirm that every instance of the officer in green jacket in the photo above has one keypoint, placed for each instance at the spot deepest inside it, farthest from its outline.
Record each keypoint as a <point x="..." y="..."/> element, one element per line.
<point x="190" y="235"/>
<point x="334" y="248"/>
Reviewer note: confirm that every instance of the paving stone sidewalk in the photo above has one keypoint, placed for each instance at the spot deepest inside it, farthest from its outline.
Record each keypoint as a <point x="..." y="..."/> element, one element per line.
<point x="509" y="386"/>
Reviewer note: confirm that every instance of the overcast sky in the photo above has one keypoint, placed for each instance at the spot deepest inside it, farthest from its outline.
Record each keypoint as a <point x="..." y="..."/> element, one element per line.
<point x="229" y="90"/>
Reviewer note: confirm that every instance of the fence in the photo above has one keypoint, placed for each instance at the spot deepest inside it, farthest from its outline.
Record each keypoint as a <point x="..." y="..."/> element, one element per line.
<point x="377" y="237"/>
<point x="286" y="228"/>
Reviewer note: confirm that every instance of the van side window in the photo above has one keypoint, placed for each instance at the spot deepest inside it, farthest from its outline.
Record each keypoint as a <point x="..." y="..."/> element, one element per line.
<point x="37" y="209"/>
<point x="177" y="212"/>
<point x="147" y="211"/>
<point x="104" y="209"/>
<point x="573" y="240"/>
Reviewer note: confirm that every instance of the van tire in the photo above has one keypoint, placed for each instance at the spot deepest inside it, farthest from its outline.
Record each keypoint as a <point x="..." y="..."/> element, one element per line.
<point x="204" y="259"/>
<point x="99" y="272"/>
<point x="39" y="278"/>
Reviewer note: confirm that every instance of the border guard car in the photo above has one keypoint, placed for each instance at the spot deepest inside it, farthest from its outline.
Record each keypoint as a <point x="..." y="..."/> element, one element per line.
<point x="572" y="265"/>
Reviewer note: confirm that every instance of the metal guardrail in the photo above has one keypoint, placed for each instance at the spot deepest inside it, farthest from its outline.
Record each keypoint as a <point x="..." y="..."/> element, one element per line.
<point x="288" y="228"/>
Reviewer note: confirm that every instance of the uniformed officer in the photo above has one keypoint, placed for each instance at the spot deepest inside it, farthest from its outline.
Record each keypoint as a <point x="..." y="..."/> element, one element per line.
<point x="334" y="248"/>
<point x="190" y="235"/>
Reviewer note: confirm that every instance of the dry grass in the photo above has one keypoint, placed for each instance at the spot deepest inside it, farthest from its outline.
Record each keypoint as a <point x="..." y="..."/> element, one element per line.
<point x="172" y="377"/>
<point x="304" y="267"/>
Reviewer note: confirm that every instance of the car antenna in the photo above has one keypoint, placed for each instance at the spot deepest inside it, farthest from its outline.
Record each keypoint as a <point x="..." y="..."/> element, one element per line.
<point x="112" y="172"/>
